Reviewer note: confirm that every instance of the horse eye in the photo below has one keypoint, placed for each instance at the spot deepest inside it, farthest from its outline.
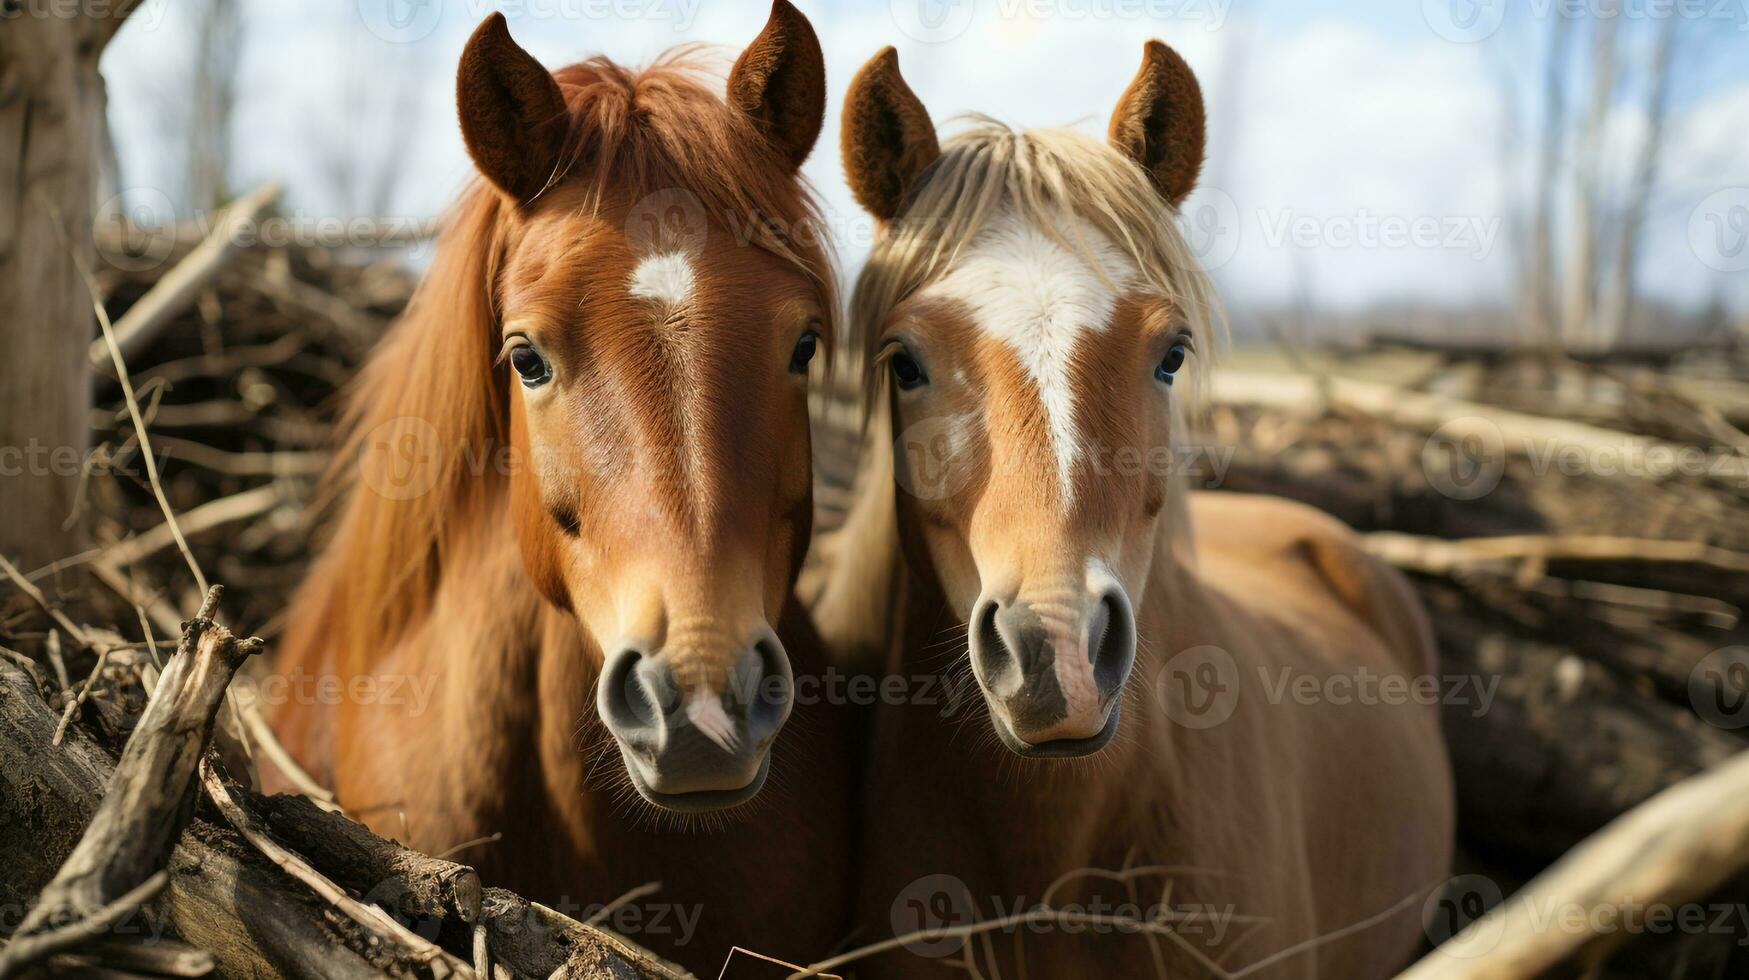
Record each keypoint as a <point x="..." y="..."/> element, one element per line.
<point x="806" y="346"/>
<point x="530" y="366"/>
<point x="1170" y="364"/>
<point x="907" y="372"/>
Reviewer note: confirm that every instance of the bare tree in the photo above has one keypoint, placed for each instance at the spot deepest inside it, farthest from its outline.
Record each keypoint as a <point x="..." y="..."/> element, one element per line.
<point x="218" y="45"/>
<point x="51" y="114"/>
<point x="1581" y="281"/>
<point x="1543" y="274"/>
<point x="1619" y="286"/>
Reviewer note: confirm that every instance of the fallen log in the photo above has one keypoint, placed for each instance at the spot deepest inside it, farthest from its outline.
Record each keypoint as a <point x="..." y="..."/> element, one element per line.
<point x="148" y="801"/>
<point x="1672" y="849"/>
<point x="1609" y="452"/>
<point x="1548" y="746"/>
<point x="253" y="901"/>
<point x="1442" y="556"/>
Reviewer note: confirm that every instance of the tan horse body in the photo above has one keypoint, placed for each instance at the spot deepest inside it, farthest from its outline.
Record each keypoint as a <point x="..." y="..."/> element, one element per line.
<point x="1210" y="711"/>
<point x="557" y="609"/>
<point x="1279" y="824"/>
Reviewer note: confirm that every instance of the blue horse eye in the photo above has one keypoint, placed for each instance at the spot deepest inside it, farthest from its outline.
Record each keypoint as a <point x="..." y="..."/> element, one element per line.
<point x="1170" y="364"/>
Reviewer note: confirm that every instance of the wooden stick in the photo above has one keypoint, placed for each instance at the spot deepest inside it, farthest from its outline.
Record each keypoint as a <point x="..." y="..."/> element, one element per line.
<point x="1441" y="555"/>
<point x="227" y="899"/>
<point x="222" y="898"/>
<point x="176" y="289"/>
<point x="25" y="586"/>
<point x="148" y="801"/>
<point x="29" y="949"/>
<point x="1516" y="432"/>
<point x="424" y="887"/>
<point x="133" y="404"/>
<point x="210" y="515"/>
<point x="1673" y="848"/>
<point x="368" y="917"/>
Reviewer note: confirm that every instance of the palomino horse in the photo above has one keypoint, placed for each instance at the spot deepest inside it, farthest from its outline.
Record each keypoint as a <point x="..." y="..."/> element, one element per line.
<point x="1039" y="319"/>
<point x="582" y="496"/>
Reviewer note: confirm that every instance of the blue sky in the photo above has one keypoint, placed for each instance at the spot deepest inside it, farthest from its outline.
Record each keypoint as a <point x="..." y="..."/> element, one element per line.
<point x="1356" y="155"/>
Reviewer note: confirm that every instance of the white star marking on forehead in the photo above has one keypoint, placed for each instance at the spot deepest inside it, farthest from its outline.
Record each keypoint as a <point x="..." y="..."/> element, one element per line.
<point x="1024" y="287"/>
<point x="666" y="277"/>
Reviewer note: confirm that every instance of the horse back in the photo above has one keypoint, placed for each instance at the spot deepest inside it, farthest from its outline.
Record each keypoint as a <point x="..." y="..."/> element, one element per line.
<point x="1317" y="567"/>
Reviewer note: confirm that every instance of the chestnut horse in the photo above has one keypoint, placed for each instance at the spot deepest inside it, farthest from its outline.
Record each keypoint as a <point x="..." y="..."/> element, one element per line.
<point x="582" y="494"/>
<point x="1169" y="735"/>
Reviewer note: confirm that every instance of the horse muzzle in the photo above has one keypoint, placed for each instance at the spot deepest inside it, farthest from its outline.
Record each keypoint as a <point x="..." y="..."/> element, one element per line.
<point x="697" y="750"/>
<point x="1052" y="672"/>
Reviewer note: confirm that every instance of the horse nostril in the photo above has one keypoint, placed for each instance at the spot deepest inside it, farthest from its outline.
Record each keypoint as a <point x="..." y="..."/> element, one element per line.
<point x="1111" y="640"/>
<point x="633" y="696"/>
<point x="996" y="663"/>
<point x="772" y="693"/>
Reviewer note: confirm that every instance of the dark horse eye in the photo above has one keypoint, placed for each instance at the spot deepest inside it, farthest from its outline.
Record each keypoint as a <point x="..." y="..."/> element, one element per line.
<point x="907" y="372"/>
<point x="531" y="366"/>
<point x="806" y="346"/>
<point x="1170" y="364"/>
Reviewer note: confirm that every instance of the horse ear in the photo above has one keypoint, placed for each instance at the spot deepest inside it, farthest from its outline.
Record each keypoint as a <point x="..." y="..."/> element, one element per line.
<point x="512" y="113"/>
<point x="887" y="137"/>
<point x="780" y="83"/>
<point x="1159" y="122"/>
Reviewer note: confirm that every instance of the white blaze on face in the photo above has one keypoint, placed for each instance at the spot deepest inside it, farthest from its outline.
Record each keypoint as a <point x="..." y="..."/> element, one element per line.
<point x="1027" y="288"/>
<point x="666" y="277"/>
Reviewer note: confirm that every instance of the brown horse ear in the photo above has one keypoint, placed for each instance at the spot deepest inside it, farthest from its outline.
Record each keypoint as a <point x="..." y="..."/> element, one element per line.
<point x="1159" y="122"/>
<point x="780" y="83"/>
<point x="512" y="113"/>
<point x="887" y="137"/>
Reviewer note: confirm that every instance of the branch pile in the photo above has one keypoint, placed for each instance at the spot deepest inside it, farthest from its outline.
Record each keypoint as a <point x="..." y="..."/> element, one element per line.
<point x="1580" y="536"/>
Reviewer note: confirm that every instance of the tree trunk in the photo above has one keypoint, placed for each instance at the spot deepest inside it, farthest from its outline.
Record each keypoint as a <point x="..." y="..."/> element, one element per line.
<point x="51" y="113"/>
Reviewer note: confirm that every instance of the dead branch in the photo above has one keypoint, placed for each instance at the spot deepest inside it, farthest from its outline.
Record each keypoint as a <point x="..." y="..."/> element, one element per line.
<point x="206" y="517"/>
<point x="1442" y="556"/>
<point x="1673" y="848"/>
<point x="30" y="949"/>
<point x="385" y="930"/>
<point x="148" y="802"/>
<point x="1512" y="432"/>
<point x="173" y="293"/>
